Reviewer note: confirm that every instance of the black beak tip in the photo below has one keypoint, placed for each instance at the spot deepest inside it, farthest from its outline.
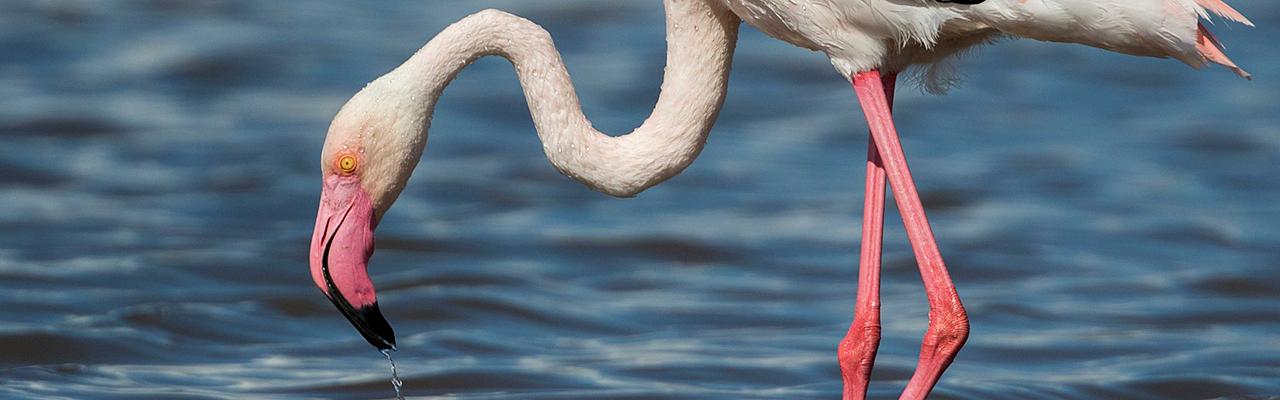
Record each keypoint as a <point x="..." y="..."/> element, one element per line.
<point x="375" y="328"/>
<point x="369" y="322"/>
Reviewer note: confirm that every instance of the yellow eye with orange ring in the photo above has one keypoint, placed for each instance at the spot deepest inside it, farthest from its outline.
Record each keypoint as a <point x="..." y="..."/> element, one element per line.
<point x="347" y="164"/>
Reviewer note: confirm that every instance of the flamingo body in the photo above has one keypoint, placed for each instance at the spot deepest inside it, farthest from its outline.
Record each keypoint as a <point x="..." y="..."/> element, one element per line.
<point x="860" y="35"/>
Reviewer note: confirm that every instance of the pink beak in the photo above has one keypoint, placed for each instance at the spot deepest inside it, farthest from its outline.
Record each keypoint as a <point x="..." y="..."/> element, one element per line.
<point x="340" y="251"/>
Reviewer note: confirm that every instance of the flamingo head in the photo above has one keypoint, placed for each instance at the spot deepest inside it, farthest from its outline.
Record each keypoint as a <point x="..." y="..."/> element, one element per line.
<point x="371" y="149"/>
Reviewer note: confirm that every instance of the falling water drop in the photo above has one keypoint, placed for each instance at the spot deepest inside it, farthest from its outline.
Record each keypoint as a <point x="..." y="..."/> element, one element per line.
<point x="395" y="376"/>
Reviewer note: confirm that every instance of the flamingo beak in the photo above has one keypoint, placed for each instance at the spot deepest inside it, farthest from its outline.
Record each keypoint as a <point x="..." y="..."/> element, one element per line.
<point x="340" y="251"/>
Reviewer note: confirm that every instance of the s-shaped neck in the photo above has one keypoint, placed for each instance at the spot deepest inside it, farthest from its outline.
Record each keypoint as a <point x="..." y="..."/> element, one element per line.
<point x="701" y="35"/>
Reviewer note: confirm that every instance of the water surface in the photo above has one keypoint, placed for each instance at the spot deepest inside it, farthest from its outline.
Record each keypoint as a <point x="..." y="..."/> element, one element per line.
<point x="1111" y="222"/>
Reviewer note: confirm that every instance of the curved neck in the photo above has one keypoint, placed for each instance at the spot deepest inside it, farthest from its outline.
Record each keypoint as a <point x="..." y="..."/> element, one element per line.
<point x="701" y="35"/>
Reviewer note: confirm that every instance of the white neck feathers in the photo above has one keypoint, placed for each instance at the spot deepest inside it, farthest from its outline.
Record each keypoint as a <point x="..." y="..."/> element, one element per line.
<point x="700" y="40"/>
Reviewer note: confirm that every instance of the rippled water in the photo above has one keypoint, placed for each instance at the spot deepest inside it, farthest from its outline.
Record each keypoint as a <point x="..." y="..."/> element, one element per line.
<point x="1111" y="222"/>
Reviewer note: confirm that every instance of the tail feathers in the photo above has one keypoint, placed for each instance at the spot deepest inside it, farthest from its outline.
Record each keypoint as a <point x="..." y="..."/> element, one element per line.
<point x="1211" y="49"/>
<point x="1208" y="45"/>
<point x="1225" y="11"/>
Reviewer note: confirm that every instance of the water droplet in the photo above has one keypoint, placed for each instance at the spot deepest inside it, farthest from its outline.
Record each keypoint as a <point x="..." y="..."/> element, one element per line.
<point x="395" y="375"/>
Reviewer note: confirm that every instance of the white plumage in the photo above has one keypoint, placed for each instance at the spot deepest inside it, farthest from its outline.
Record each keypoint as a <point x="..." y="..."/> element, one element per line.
<point x="860" y="35"/>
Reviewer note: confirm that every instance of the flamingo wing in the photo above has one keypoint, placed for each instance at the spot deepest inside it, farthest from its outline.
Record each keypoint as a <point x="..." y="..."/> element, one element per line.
<point x="1153" y="28"/>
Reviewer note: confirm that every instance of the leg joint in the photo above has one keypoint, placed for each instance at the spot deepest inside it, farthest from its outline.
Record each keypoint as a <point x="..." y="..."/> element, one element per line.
<point x="949" y="330"/>
<point x="859" y="345"/>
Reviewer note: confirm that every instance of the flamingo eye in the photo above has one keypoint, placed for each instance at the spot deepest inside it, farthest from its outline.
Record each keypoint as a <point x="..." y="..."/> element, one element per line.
<point x="347" y="164"/>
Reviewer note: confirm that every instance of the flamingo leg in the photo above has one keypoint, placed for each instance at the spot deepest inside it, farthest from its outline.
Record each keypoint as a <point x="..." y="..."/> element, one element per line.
<point x="948" y="324"/>
<point x="857" y="351"/>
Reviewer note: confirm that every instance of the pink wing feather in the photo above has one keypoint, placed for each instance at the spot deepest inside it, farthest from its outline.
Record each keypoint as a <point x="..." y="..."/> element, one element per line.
<point x="1209" y="46"/>
<point x="1225" y="11"/>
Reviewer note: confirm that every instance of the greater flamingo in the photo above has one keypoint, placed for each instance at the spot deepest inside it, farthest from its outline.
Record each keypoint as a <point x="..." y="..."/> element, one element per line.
<point x="377" y="138"/>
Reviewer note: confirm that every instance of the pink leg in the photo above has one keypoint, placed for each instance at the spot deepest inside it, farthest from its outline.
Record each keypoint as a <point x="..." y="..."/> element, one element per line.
<point x="948" y="323"/>
<point x="857" y="351"/>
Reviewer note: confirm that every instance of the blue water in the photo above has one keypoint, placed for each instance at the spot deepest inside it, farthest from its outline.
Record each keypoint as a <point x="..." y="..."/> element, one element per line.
<point x="1111" y="222"/>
